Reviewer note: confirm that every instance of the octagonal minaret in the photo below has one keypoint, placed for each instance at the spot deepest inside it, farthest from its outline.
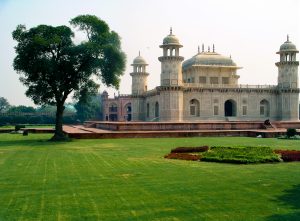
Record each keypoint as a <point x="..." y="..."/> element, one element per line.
<point x="288" y="65"/>
<point x="171" y="70"/>
<point x="171" y="94"/>
<point x="139" y="76"/>
<point x="288" y="92"/>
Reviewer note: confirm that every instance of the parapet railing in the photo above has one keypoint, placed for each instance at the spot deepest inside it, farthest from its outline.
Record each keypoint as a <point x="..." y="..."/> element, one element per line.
<point x="123" y="95"/>
<point x="229" y="86"/>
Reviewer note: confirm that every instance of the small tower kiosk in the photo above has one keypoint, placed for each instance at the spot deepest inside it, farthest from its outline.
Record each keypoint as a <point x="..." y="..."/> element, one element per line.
<point x="171" y="70"/>
<point x="171" y="91"/>
<point x="138" y="87"/>
<point x="288" y="99"/>
<point x="139" y="75"/>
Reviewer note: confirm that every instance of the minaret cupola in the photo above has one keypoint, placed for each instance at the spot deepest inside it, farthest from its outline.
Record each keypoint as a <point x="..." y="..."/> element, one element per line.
<point x="288" y="65"/>
<point x="171" y="74"/>
<point x="139" y="75"/>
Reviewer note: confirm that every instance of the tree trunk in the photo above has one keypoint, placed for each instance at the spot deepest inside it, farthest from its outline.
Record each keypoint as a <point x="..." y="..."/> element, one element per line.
<point x="59" y="134"/>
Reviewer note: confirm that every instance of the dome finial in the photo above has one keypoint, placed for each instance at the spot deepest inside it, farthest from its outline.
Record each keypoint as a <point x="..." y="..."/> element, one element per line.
<point x="287" y="38"/>
<point x="139" y="53"/>
<point x="202" y="47"/>
<point x="208" y="49"/>
<point x="198" y="49"/>
<point x="170" y="30"/>
<point x="213" y="47"/>
<point x="230" y="56"/>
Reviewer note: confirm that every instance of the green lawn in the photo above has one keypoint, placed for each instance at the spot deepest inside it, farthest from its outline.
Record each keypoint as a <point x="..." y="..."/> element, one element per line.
<point x="128" y="179"/>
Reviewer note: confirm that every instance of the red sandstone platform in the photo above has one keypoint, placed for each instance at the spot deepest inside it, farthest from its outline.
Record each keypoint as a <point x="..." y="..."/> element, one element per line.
<point x="188" y="126"/>
<point x="84" y="132"/>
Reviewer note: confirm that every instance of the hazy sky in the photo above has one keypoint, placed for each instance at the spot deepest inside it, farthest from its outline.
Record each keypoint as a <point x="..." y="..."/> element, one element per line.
<point x="251" y="31"/>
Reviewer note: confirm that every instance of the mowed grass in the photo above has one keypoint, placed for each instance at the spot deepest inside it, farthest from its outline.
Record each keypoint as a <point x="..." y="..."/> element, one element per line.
<point x="128" y="179"/>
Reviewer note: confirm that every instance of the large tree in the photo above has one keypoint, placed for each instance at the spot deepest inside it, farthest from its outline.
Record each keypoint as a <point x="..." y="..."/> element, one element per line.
<point x="52" y="66"/>
<point x="4" y="105"/>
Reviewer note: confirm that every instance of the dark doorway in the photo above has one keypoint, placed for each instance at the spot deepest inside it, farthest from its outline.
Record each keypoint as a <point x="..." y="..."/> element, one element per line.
<point x="128" y="111"/>
<point x="230" y="108"/>
<point x="113" y="117"/>
<point x="156" y="114"/>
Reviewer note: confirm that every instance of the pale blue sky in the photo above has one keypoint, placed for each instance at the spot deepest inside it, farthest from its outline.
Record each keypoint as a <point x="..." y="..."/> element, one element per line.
<point x="251" y="31"/>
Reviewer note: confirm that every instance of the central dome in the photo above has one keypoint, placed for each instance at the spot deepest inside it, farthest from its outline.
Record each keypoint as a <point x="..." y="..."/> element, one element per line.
<point x="208" y="59"/>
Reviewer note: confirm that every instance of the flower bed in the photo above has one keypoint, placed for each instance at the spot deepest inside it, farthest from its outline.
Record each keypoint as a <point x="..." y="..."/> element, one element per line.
<point x="190" y="149"/>
<point x="183" y="156"/>
<point x="289" y="155"/>
<point x="239" y="155"/>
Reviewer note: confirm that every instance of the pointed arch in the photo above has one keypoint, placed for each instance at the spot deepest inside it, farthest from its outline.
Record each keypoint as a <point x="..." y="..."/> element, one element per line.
<point x="230" y="108"/>
<point x="194" y="108"/>
<point x="127" y="111"/>
<point x="264" y="108"/>
<point x="113" y="112"/>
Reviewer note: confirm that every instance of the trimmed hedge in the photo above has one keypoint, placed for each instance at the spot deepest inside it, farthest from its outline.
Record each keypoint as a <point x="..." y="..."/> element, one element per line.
<point x="19" y="126"/>
<point x="242" y="155"/>
<point x="238" y="155"/>
<point x="190" y="149"/>
<point x="291" y="132"/>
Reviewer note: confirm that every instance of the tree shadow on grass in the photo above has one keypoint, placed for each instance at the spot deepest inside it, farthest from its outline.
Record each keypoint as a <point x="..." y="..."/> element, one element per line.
<point x="27" y="142"/>
<point x="291" y="198"/>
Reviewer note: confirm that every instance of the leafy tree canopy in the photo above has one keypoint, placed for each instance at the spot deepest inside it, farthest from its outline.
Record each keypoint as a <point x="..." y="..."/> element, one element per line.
<point x="4" y="105"/>
<point x="52" y="66"/>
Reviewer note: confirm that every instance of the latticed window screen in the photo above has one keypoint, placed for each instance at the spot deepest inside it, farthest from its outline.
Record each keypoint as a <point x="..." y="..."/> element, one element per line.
<point x="216" y="110"/>
<point x="225" y="80"/>
<point x="214" y="80"/>
<point x="244" y="110"/>
<point x="192" y="110"/>
<point x="262" y="110"/>
<point x="202" y="80"/>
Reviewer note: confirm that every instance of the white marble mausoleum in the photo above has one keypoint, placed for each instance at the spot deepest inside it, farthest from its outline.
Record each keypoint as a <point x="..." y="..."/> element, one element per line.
<point x="206" y="87"/>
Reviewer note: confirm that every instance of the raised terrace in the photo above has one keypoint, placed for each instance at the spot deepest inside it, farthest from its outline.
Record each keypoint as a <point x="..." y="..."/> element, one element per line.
<point x="100" y="129"/>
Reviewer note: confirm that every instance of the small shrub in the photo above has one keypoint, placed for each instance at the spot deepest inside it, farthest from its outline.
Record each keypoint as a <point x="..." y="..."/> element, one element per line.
<point x="291" y="132"/>
<point x="190" y="149"/>
<point x="19" y="126"/>
<point x="183" y="156"/>
<point x="289" y="155"/>
<point x="25" y="133"/>
<point x="240" y="155"/>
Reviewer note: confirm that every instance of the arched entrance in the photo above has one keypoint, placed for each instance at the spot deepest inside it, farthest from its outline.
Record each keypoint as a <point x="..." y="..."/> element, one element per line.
<point x="156" y="110"/>
<point x="264" y="108"/>
<point x="230" y="108"/>
<point x="113" y="112"/>
<point x="128" y="112"/>
<point x="194" y="108"/>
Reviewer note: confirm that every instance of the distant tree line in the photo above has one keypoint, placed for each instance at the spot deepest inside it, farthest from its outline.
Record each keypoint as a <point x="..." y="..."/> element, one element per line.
<point x="76" y="112"/>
